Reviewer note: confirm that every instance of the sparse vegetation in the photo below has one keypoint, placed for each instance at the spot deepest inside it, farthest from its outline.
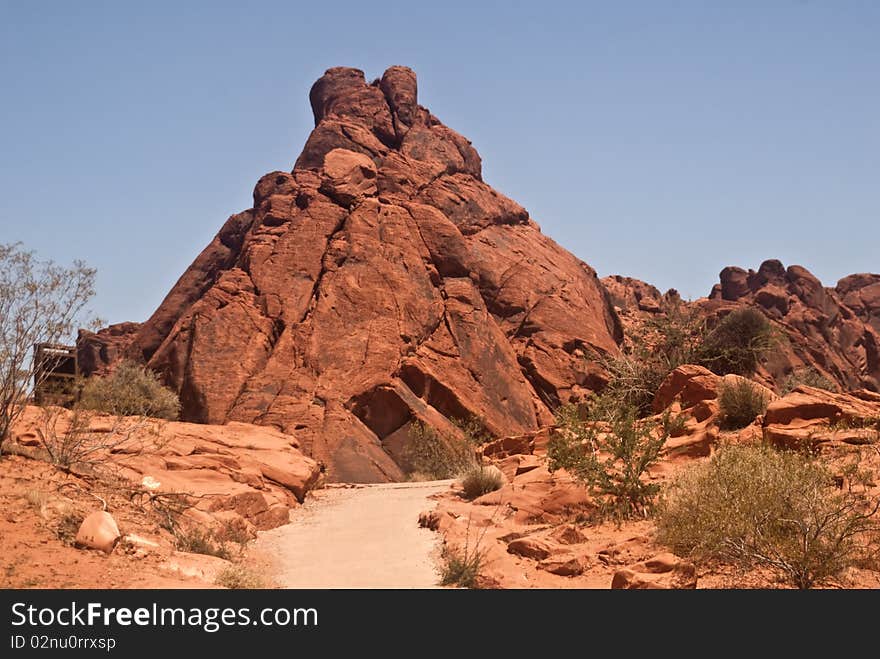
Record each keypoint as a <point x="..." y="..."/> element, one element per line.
<point x="760" y="507"/>
<point x="737" y="343"/>
<point x="70" y="441"/>
<point x="611" y="458"/>
<point x="130" y="390"/>
<point x="235" y="532"/>
<point x="473" y="429"/>
<point x="658" y="346"/>
<point x="741" y="402"/>
<point x="198" y="541"/>
<point x="239" y="577"/>
<point x="462" y="565"/>
<point x="68" y="526"/>
<point x="632" y="382"/>
<point x="674" y="425"/>
<point x="481" y="479"/>
<point x="40" y="302"/>
<point x="429" y="454"/>
<point x="37" y="498"/>
<point x="807" y="376"/>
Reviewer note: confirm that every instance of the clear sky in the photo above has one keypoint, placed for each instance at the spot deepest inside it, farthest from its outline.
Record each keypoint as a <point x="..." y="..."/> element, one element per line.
<point x="663" y="140"/>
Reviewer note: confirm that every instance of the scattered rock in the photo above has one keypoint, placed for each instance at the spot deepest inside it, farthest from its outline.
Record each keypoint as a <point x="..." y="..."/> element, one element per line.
<point x="664" y="571"/>
<point x="98" y="531"/>
<point x="570" y="567"/>
<point x="530" y="547"/>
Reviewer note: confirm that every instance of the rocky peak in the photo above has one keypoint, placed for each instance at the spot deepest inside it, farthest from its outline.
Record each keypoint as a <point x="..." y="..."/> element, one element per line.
<point x="378" y="283"/>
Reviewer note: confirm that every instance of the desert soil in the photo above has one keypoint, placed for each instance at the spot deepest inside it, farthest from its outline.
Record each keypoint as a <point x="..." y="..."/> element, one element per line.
<point x="362" y="536"/>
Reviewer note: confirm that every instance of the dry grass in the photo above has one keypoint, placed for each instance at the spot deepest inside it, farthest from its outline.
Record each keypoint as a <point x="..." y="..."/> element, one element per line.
<point x="240" y="577"/>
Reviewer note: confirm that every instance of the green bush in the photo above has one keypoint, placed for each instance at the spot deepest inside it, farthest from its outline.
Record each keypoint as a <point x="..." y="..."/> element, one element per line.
<point x="738" y="343"/>
<point x="808" y="376"/>
<point x="130" y="390"/>
<point x="429" y="454"/>
<point x="758" y="506"/>
<point x="741" y="402"/>
<point x="480" y="480"/>
<point x="610" y="458"/>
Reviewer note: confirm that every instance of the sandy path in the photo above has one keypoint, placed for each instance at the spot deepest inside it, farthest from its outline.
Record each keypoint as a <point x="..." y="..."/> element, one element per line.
<point x="357" y="537"/>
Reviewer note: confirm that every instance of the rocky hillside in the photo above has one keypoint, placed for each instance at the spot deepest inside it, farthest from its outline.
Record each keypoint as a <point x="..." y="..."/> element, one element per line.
<point x="835" y="331"/>
<point x="379" y="282"/>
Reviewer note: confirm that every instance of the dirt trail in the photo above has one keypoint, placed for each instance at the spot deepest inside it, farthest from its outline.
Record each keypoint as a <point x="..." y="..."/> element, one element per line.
<point x="363" y="536"/>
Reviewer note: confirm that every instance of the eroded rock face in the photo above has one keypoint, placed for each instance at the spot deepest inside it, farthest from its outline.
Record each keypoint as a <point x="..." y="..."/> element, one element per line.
<point x="379" y="282"/>
<point x="238" y="474"/>
<point x="834" y="330"/>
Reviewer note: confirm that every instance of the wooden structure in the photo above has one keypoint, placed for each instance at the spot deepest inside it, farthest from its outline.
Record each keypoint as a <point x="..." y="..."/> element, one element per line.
<point x="56" y="371"/>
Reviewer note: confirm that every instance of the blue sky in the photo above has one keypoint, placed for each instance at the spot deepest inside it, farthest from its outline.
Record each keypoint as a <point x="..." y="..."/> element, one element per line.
<point x="663" y="140"/>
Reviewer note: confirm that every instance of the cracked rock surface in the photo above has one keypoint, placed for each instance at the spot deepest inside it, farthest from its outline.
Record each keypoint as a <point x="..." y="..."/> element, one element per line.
<point x="379" y="282"/>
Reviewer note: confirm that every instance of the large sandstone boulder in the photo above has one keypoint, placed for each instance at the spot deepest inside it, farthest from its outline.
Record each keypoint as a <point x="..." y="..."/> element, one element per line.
<point x="811" y="417"/>
<point x="381" y="281"/>
<point x="237" y="474"/>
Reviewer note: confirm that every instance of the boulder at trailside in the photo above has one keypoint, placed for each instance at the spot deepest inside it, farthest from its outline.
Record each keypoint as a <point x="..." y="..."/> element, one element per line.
<point x="378" y="283"/>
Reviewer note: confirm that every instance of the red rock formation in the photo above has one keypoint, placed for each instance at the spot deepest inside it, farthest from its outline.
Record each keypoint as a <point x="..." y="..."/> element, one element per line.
<point x="380" y="281"/>
<point x="96" y="351"/>
<point x="832" y="330"/>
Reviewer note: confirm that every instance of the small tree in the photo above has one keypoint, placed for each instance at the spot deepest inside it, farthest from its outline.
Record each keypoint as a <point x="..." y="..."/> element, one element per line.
<point x="611" y="458"/>
<point x="39" y="302"/>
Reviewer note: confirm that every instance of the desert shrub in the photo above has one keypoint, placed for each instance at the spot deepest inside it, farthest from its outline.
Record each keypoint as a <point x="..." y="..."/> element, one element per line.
<point x="808" y="376"/>
<point x="37" y="498"/>
<point x="658" y="346"/>
<point x="473" y="429"/>
<point x="480" y="480"/>
<point x="632" y="382"/>
<point x="672" y="338"/>
<point x="740" y="402"/>
<point x="130" y="390"/>
<point x="674" y="425"/>
<point x="429" y="454"/>
<point x="197" y="541"/>
<point x="611" y="458"/>
<point x="758" y="506"/>
<point x="70" y="442"/>
<point x="460" y="567"/>
<point x="738" y="343"/>
<point x="239" y="577"/>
